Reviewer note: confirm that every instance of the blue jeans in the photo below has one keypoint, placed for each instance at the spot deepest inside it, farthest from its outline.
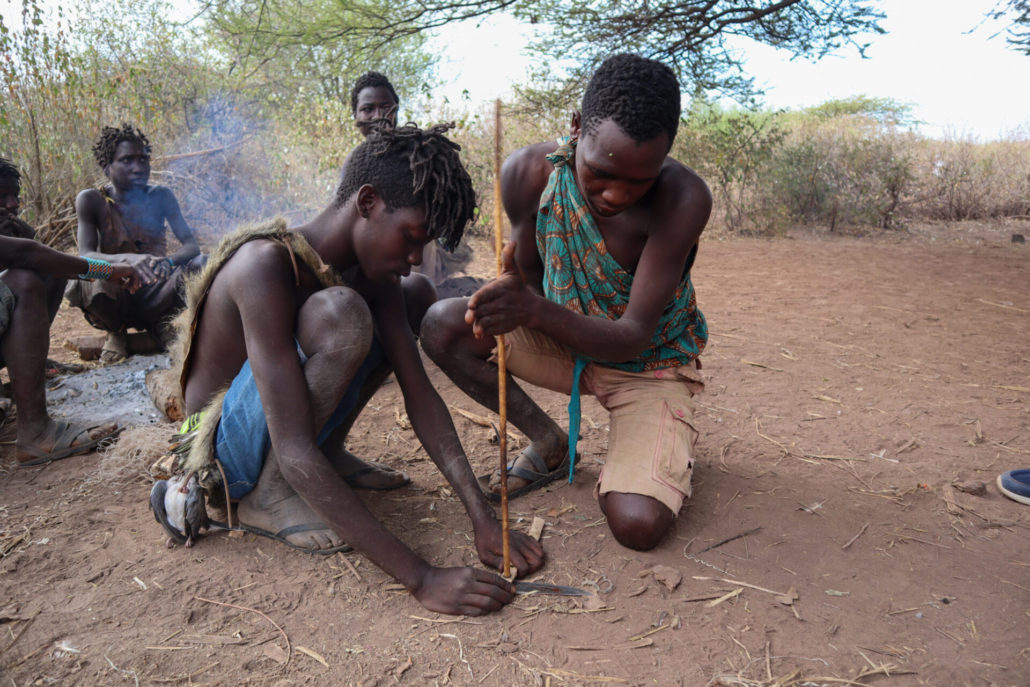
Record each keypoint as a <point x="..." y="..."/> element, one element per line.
<point x="242" y="441"/>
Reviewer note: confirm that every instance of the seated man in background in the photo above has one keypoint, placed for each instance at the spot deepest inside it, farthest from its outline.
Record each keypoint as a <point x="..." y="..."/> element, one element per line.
<point x="29" y="268"/>
<point x="596" y="298"/>
<point x="281" y="331"/>
<point x="373" y="99"/>
<point x="124" y="221"/>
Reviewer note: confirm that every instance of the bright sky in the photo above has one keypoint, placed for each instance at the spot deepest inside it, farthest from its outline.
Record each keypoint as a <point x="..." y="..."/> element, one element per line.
<point x="938" y="56"/>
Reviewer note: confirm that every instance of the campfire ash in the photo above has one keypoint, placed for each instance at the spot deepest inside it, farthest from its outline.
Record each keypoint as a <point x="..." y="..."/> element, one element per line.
<point x="114" y="393"/>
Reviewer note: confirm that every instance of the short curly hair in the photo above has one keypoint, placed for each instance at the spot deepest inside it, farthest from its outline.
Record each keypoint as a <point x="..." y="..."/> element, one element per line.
<point x="412" y="167"/>
<point x="370" y="80"/>
<point x="111" y="136"/>
<point x="640" y="95"/>
<point x="9" y="171"/>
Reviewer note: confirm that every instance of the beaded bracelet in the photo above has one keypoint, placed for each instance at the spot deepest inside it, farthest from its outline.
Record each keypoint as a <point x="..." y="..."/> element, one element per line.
<point x="98" y="269"/>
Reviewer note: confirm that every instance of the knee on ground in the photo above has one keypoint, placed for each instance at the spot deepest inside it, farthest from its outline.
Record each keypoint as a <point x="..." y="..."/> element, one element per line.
<point x="637" y="522"/>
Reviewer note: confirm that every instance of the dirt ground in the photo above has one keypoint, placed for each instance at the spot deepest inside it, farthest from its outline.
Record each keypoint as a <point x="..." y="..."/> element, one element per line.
<point x="851" y="382"/>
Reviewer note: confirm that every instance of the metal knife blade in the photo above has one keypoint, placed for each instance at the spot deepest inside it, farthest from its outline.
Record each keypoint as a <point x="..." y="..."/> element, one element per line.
<point x="541" y="588"/>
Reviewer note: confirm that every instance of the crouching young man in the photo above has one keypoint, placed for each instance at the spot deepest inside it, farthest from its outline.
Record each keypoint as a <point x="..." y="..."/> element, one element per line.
<point x="596" y="298"/>
<point x="292" y="322"/>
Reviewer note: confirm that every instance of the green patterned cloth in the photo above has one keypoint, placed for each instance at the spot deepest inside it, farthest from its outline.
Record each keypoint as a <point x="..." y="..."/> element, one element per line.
<point x="580" y="274"/>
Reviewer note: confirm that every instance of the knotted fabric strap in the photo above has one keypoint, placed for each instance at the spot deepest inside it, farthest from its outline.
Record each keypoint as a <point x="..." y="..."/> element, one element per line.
<point x="575" y="416"/>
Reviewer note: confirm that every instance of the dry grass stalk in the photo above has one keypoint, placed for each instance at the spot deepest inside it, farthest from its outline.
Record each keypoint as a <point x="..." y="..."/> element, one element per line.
<point x="797" y="679"/>
<point x="317" y="656"/>
<point x="725" y="597"/>
<point x="289" y="649"/>
<point x="25" y="625"/>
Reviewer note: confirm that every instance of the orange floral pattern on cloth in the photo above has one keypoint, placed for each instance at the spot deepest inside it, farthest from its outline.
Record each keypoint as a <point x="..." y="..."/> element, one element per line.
<point x="580" y="274"/>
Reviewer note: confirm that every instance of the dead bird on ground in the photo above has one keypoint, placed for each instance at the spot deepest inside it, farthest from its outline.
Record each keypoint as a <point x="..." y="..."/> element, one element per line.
<point x="178" y="504"/>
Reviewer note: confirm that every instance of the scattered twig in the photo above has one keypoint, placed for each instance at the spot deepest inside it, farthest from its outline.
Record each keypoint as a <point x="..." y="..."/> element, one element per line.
<point x="754" y="364"/>
<point x="21" y="631"/>
<point x="461" y="653"/>
<point x="289" y="648"/>
<point x="742" y="584"/>
<point x="350" y="566"/>
<point x="642" y="635"/>
<point x="315" y="655"/>
<point x="855" y="538"/>
<point x="1002" y="305"/>
<point x="725" y="597"/>
<point x="727" y="541"/>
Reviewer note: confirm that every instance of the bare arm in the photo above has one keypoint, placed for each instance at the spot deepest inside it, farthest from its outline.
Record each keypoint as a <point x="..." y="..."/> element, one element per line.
<point x="523" y="178"/>
<point x="173" y="214"/>
<point x="435" y="429"/>
<point x="32" y="255"/>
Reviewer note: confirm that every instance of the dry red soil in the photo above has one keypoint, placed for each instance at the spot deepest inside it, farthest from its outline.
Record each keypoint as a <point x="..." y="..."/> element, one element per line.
<point x="851" y="383"/>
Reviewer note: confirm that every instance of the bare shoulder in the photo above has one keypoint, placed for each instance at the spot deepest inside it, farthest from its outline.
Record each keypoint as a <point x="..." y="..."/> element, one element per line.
<point x="162" y="195"/>
<point x="257" y="266"/>
<point x="89" y="199"/>
<point x="525" y="172"/>
<point x="681" y="190"/>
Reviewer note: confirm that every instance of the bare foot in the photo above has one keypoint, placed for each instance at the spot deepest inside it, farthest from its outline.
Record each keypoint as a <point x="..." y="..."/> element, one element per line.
<point x="363" y="474"/>
<point x="60" y="439"/>
<point x="286" y="518"/>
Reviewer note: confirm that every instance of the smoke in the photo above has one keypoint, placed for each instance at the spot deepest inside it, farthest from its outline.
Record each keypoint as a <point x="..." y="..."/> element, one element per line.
<point x="232" y="167"/>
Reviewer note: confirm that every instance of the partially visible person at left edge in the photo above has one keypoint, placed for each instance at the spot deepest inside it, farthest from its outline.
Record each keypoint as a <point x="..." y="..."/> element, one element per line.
<point x="28" y="268"/>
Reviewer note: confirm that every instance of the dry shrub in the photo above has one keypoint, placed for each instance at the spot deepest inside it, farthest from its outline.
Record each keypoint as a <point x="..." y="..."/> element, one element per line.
<point x="962" y="179"/>
<point x="844" y="171"/>
<point x="475" y="133"/>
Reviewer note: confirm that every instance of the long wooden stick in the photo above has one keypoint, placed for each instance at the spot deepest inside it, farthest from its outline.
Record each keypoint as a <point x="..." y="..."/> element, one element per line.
<point x="502" y="373"/>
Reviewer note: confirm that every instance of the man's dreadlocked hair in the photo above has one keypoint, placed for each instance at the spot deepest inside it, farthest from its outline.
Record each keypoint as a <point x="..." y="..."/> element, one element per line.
<point x="411" y="167"/>
<point x="9" y="172"/>
<point x="111" y="136"/>
<point x="370" y="80"/>
<point x="641" y="96"/>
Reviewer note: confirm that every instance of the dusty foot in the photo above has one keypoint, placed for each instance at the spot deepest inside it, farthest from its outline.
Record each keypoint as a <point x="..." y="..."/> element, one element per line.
<point x="59" y="439"/>
<point x="363" y="474"/>
<point x="116" y="348"/>
<point x="289" y="520"/>
<point x="551" y="453"/>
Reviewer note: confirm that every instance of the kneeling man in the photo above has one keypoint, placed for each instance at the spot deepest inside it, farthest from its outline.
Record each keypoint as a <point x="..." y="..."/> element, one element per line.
<point x="596" y="298"/>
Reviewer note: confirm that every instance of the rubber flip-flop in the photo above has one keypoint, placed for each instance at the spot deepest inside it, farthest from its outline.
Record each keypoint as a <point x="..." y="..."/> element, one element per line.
<point x="355" y="478"/>
<point x="281" y="535"/>
<point x="54" y="368"/>
<point x="63" y="437"/>
<point x="539" y="477"/>
<point x="115" y="349"/>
